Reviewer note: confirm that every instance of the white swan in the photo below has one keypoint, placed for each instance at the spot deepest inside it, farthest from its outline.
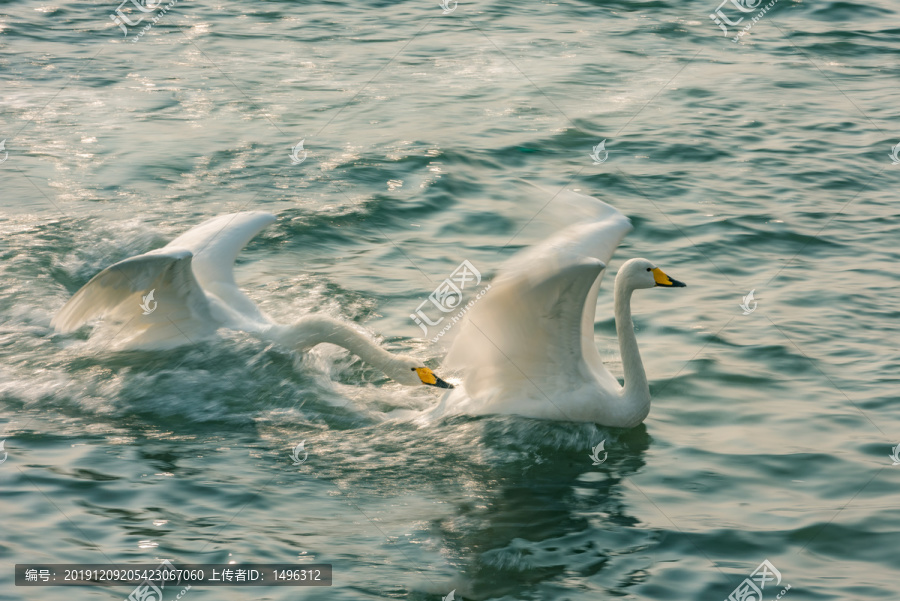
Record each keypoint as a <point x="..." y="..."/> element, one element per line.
<point x="185" y="291"/>
<point x="527" y="347"/>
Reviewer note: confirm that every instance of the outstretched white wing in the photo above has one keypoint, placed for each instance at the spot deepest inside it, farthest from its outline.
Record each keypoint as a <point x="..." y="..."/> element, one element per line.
<point x="215" y="245"/>
<point x="537" y="320"/>
<point x="178" y="313"/>
<point x="180" y="275"/>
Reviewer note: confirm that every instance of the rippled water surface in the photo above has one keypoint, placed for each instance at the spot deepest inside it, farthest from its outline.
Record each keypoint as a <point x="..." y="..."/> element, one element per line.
<point x="762" y="164"/>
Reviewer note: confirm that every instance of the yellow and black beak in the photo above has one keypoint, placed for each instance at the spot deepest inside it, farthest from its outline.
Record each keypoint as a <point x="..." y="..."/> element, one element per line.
<point x="662" y="279"/>
<point x="427" y="376"/>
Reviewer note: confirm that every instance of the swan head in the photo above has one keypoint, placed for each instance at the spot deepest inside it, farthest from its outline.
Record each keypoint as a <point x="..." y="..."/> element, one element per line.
<point x="412" y="372"/>
<point x="641" y="273"/>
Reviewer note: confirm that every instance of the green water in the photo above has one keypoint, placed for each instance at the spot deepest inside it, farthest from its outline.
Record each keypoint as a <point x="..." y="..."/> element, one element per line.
<point x="760" y="165"/>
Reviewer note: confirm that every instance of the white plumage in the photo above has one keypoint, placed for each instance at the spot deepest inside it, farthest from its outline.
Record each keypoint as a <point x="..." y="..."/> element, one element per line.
<point x="194" y="294"/>
<point x="528" y="348"/>
<point x="193" y="283"/>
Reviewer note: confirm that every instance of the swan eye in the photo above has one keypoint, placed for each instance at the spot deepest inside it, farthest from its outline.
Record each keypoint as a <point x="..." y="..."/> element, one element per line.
<point x="648" y="269"/>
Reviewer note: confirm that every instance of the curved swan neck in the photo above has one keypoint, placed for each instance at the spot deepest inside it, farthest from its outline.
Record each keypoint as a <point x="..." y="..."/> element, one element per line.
<point x="635" y="377"/>
<point x="316" y="329"/>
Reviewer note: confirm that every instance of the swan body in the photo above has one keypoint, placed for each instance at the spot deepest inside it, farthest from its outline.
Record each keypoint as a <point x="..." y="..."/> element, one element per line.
<point x="185" y="291"/>
<point x="528" y="348"/>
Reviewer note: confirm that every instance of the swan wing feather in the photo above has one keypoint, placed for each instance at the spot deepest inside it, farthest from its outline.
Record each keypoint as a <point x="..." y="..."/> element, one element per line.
<point x="527" y="331"/>
<point x="598" y="235"/>
<point x="180" y="308"/>
<point x="215" y="245"/>
<point x="537" y="320"/>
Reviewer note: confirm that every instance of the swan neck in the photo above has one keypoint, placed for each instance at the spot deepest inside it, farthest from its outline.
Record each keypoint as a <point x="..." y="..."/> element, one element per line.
<point x="636" y="385"/>
<point x="315" y="329"/>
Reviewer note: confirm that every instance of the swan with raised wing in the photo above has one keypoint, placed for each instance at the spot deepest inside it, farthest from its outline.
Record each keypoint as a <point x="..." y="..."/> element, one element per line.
<point x="527" y="347"/>
<point x="185" y="291"/>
